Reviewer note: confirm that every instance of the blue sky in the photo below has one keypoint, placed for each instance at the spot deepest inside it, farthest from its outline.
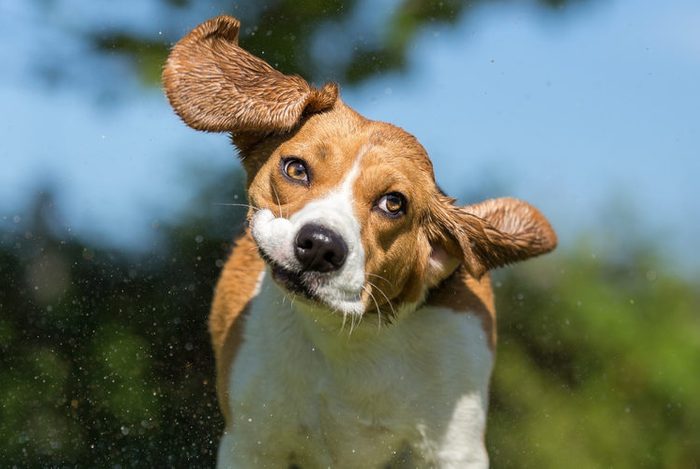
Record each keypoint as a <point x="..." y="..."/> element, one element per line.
<point x="585" y="112"/>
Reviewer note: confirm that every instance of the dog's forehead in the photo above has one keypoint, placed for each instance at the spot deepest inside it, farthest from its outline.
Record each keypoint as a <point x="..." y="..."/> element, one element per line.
<point x="343" y="134"/>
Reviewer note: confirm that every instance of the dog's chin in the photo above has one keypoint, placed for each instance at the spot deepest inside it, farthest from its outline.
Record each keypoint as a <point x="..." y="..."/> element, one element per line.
<point x="292" y="282"/>
<point x="304" y="291"/>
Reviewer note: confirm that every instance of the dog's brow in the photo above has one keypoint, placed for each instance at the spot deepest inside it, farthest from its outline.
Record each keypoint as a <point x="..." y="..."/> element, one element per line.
<point x="322" y="151"/>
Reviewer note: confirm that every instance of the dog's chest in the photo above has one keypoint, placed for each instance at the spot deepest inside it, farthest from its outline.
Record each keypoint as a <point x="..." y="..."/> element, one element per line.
<point x="307" y="396"/>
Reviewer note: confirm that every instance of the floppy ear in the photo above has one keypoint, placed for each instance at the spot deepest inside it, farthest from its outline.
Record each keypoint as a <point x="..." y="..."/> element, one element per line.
<point x="216" y="86"/>
<point x="491" y="234"/>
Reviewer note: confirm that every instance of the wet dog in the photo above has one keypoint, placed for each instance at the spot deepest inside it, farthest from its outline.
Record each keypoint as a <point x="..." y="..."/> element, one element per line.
<point x="353" y="324"/>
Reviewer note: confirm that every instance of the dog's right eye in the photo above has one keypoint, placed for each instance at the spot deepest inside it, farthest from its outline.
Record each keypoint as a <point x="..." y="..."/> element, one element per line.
<point x="392" y="204"/>
<point x="295" y="170"/>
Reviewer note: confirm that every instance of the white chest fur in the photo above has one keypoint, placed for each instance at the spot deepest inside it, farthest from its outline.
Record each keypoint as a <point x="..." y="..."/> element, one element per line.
<point x="304" y="393"/>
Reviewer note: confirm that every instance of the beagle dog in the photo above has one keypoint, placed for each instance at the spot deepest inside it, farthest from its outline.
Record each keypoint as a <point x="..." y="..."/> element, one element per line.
<point x="353" y="324"/>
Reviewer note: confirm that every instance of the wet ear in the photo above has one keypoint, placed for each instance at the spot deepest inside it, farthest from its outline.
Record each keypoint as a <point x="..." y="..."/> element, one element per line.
<point x="441" y="264"/>
<point x="216" y="86"/>
<point x="492" y="233"/>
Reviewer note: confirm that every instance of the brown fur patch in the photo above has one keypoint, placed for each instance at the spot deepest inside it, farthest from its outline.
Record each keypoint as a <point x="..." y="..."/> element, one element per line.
<point x="396" y="250"/>
<point x="215" y="85"/>
<point x="493" y="233"/>
<point x="327" y="143"/>
<point x="463" y="293"/>
<point x="232" y="296"/>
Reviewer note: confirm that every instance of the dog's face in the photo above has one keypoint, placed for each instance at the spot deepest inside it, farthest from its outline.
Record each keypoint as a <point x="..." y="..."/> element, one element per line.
<point x="344" y="210"/>
<point x="340" y="210"/>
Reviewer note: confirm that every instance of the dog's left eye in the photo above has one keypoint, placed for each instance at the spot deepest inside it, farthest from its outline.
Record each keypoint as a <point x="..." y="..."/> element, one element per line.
<point x="295" y="170"/>
<point x="392" y="204"/>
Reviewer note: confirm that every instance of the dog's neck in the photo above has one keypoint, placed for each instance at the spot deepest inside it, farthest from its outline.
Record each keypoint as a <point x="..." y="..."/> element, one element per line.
<point x="336" y="336"/>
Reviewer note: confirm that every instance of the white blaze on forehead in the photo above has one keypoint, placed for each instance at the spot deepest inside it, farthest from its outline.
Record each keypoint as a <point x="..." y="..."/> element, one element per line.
<point x="336" y="211"/>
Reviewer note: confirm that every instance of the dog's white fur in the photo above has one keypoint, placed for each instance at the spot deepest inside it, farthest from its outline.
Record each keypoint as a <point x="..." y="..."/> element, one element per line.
<point x="303" y="392"/>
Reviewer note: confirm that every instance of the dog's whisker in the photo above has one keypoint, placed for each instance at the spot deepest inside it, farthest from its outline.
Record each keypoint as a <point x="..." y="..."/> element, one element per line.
<point x="389" y="302"/>
<point x="379" y="276"/>
<point x="279" y="205"/>
<point x="237" y="205"/>
<point x="379" y="311"/>
<point x="345" y="317"/>
<point x="352" y="324"/>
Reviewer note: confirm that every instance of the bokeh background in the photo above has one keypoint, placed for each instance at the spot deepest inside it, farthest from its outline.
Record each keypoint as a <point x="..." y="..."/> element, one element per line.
<point x="113" y="228"/>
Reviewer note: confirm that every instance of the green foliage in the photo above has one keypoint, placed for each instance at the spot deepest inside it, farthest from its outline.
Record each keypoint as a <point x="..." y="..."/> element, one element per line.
<point x="115" y="365"/>
<point x="285" y="33"/>
<point x="596" y="365"/>
<point x="105" y="356"/>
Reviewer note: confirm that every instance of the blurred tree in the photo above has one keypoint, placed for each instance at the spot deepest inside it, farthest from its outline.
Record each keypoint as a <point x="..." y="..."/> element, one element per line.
<point x="366" y="37"/>
<point x="105" y="355"/>
<point x="595" y="364"/>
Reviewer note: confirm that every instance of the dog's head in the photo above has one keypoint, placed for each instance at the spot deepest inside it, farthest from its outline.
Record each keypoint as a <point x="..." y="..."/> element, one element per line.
<point x="345" y="210"/>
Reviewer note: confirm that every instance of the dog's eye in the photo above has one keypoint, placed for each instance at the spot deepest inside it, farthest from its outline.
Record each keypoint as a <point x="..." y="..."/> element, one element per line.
<point x="392" y="204"/>
<point x="295" y="170"/>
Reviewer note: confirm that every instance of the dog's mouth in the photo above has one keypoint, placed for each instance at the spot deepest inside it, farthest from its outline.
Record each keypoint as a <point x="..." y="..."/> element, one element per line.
<point x="312" y="288"/>
<point x="291" y="281"/>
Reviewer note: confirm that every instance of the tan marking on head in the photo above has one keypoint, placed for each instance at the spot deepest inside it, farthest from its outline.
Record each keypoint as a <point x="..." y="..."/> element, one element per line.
<point x="328" y="143"/>
<point x="396" y="253"/>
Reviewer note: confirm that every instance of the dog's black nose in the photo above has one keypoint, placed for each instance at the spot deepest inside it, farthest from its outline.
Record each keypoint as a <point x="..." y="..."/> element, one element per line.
<point x="320" y="249"/>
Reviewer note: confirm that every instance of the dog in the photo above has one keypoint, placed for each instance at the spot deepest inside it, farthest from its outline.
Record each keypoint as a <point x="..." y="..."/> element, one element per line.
<point x="353" y="324"/>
